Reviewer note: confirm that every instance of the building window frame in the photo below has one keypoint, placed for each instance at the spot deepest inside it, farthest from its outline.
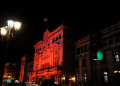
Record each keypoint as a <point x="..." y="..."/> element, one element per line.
<point x="116" y="56"/>
<point x="84" y="77"/>
<point x="105" y="76"/>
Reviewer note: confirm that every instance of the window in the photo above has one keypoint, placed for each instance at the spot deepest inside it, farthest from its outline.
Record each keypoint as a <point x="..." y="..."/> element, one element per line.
<point x="117" y="40"/>
<point x="84" y="78"/>
<point x="53" y="63"/>
<point x="41" y="67"/>
<point x="9" y="74"/>
<point x="85" y="48"/>
<point x="116" y="56"/>
<point x="78" y="50"/>
<point x="57" y="62"/>
<point x="82" y="49"/>
<point x="13" y="71"/>
<point x="8" y="71"/>
<point x="48" y="65"/>
<point x="14" y="64"/>
<point x="44" y="66"/>
<point x="110" y="38"/>
<point x="53" y="41"/>
<point x="56" y="38"/>
<point x="77" y="78"/>
<point x="117" y="37"/>
<point x="77" y="64"/>
<point x="59" y="36"/>
<point x="13" y="74"/>
<point x="110" y="42"/>
<point x="105" y="43"/>
<point x="83" y="62"/>
<point x="105" y="76"/>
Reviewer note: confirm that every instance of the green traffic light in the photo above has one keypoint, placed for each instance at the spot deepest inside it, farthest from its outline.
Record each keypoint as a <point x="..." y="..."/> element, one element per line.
<point x="99" y="56"/>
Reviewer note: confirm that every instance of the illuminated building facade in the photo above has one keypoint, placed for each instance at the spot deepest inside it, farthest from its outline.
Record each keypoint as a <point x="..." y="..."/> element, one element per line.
<point x="11" y="72"/>
<point x="54" y="56"/>
<point x="106" y="71"/>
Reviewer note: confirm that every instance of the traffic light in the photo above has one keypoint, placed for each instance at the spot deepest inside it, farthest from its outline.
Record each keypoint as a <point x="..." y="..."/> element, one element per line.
<point x="95" y="45"/>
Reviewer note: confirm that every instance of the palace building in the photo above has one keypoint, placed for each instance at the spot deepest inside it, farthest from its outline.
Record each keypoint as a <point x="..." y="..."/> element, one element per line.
<point x="54" y="56"/>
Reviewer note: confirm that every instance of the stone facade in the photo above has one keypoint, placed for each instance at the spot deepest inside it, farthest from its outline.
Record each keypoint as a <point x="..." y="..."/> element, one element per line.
<point x="106" y="71"/>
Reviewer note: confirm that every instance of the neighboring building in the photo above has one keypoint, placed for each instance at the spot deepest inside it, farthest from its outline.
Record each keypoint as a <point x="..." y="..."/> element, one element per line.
<point x="11" y="72"/>
<point x="82" y="60"/>
<point x="23" y="71"/>
<point x="54" y="56"/>
<point x="28" y="70"/>
<point x="106" y="71"/>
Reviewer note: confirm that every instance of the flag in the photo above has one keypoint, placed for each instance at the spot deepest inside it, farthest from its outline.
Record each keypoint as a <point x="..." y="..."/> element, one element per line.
<point x="45" y="19"/>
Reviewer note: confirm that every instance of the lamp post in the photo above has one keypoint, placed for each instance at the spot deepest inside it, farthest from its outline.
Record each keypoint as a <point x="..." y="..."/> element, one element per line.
<point x="6" y="34"/>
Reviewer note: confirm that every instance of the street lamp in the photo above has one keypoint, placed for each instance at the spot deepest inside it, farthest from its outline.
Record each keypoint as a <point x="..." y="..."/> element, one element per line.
<point x="6" y="32"/>
<point x="7" y="29"/>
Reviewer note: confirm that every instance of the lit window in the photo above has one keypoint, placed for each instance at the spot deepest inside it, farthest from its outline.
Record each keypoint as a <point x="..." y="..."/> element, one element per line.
<point x="105" y="77"/>
<point x="14" y="64"/>
<point x="84" y="77"/>
<point x="116" y="56"/>
<point x="77" y="77"/>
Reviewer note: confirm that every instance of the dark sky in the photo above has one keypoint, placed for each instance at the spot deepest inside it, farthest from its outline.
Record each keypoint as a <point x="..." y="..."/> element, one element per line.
<point x="84" y="15"/>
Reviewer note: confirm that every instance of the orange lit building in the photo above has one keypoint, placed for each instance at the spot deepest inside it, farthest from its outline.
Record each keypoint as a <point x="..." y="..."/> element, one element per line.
<point x="54" y="56"/>
<point x="11" y="72"/>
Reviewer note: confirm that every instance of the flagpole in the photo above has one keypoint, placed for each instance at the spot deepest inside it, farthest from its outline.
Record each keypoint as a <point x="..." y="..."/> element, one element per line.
<point x="47" y="21"/>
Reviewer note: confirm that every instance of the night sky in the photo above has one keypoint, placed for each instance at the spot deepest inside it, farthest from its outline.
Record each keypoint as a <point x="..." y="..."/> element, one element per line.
<point x="30" y="13"/>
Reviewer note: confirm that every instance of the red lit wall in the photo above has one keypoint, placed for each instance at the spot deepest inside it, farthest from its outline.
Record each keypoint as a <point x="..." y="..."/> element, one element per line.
<point x="21" y="78"/>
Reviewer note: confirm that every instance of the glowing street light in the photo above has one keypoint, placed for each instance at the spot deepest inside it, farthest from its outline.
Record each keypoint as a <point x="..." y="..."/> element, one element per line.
<point x="10" y="23"/>
<point x="17" y="25"/>
<point x="3" y="31"/>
